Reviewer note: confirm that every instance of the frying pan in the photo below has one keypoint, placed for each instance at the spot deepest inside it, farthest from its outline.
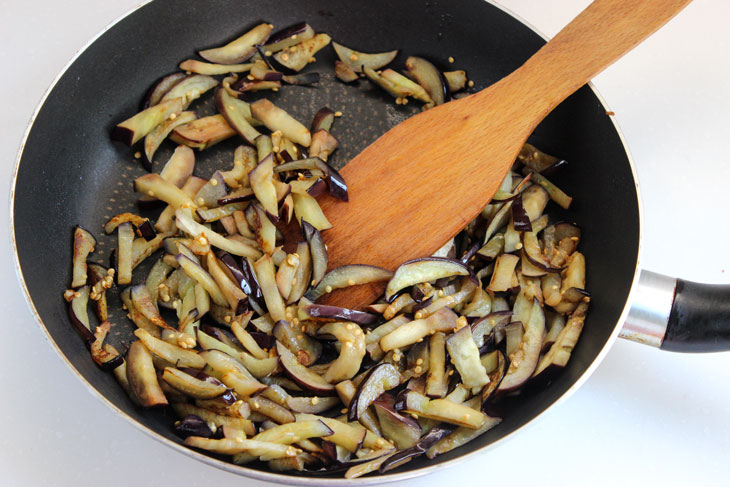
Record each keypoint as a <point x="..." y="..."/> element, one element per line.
<point x="88" y="166"/>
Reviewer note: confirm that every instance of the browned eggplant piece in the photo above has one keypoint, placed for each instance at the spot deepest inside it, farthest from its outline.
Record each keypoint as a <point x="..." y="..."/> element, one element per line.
<point x="296" y="57"/>
<point x="195" y="271"/>
<point x="306" y="349"/>
<point x="136" y="127"/>
<point x="190" y="382"/>
<point x="465" y="357"/>
<point x="125" y="239"/>
<point x="495" y="378"/>
<point x="318" y="252"/>
<point x="83" y="245"/>
<point x="212" y="191"/>
<point x="78" y="313"/>
<point x="423" y="270"/>
<point x="348" y="275"/>
<point x="381" y="378"/>
<point x="144" y="227"/>
<point x="289" y="36"/>
<point x="245" y="85"/>
<point x="557" y="357"/>
<point x="556" y="194"/>
<point x="143" y="302"/>
<point x="239" y="49"/>
<point x="409" y="333"/>
<point x="534" y="254"/>
<point x="456" y="80"/>
<point x="204" y="132"/>
<point x="143" y="378"/>
<point x="301" y="79"/>
<point x="356" y="60"/>
<point x="159" y="88"/>
<point x="403" y="431"/>
<point x="504" y="272"/>
<point x="212" y="69"/>
<point x="237" y="113"/>
<point x="302" y="375"/>
<point x="345" y="72"/>
<point x="444" y="410"/>
<point x="323" y="120"/>
<point x="535" y="159"/>
<point x="101" y="280"/>
<point x="430" y="78"/>
<point x="524" y="361"/>
<point x="277" y="119"/>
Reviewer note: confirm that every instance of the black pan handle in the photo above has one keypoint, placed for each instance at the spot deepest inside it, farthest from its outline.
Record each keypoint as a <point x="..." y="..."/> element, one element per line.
<point x="678" y="315"/>
<point x="700" y="318"/>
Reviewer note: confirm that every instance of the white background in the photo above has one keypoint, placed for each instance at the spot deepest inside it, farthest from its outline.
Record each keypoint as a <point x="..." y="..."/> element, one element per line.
<point x="643" y="416"/>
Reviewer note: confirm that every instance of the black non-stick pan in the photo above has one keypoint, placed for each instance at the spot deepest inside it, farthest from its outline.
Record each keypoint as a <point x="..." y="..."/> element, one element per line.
<point x="70" y="171"/>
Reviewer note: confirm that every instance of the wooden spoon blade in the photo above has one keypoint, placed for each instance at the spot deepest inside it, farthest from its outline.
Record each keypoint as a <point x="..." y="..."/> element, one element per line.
<point x="416" y="187"/>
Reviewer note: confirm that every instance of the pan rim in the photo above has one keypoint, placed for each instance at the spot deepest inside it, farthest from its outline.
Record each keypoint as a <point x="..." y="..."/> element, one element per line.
<point x="291" y="479"/>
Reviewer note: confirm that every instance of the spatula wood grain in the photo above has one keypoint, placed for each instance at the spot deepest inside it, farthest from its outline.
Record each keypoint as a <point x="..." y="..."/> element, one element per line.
<point x="419" y="184"/>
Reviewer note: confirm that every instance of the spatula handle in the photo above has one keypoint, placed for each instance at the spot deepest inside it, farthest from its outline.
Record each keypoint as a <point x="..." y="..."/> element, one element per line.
<point x="598" y="36"/>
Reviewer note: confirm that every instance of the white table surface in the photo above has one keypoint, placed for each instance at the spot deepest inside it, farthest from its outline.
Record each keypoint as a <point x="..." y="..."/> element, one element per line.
<point x="644" y="415"/>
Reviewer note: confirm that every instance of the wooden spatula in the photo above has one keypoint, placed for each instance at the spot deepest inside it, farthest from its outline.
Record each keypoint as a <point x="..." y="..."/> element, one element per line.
<point x="419" y="184"/>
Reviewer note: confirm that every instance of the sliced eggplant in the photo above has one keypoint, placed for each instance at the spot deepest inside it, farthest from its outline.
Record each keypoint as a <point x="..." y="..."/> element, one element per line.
<point x="348" y="275"/>
<point x="403" y="431"/>
<point x="381" y="378"/>
<point x="212" y="69"/>
<point x="524" y="361"/>
<point x="190" y="89"/>
<point x="142" y="377"/>
<point x="352" y="350"/>
<point x="277" y="119"/>
<point x="464" y="355"/>
<point x="345" y="72"/>
<point x="237" y="113"/>
<point x="559" y="354"/>
<point x="426" y="74"/>
<point x="133" y="129"/>
<point x="456" y="80"/>
<point x="204" y="132"/>
<point x="444" y="410"/>
<point x="423" y="270"/>
<point x="409" y="333"/>
<point x="300" y="374"/>
<point x="240" y="49"/>
<point x="296" y="57"/>
<point x="159" y="88"/>
<point x="358" y="60"/>
<point x="306" y="349"/>
<point x="154" y="139"/>
<point x="83" y="244"/>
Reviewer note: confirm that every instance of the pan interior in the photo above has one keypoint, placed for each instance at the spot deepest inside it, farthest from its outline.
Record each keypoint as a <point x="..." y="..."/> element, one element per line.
<point x="71" y="173"/>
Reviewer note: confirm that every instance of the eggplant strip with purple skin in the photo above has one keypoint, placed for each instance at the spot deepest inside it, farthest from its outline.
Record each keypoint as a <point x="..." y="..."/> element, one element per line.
<point x="348" y="275"/>
<point x="83" y="244"/>
<point x="212" y="69"/>
<point x="357" y="60"/>
<point x="424" y="270"/>
<point x="296" y="57"/>
<point x="133" y="129"/>
<point x="240" y="49"/>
